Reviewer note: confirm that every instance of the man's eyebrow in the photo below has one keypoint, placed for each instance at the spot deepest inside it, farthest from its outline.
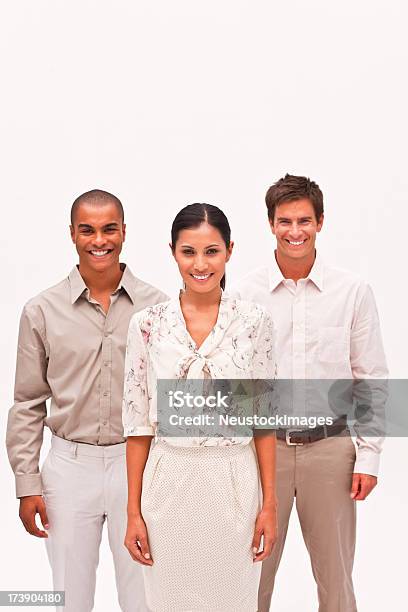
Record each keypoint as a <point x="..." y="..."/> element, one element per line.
<point x="107" y="226"/>
<point x="299" y="219"/>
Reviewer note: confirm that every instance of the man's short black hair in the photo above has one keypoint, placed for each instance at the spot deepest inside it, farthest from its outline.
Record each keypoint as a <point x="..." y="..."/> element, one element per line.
<point x="96" y="197"/>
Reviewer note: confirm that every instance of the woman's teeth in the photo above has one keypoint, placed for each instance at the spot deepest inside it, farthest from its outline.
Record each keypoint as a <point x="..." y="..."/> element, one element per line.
<point x="201" y="276"/>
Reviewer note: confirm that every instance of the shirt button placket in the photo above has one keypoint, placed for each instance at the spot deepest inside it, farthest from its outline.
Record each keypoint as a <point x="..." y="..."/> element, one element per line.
<point x="106" y="375"/>
<point x="299" y="347"/>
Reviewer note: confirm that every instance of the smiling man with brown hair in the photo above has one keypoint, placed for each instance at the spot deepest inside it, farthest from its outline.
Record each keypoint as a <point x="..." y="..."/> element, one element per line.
<point x="71" y="349"/>
<point x="327" y="328"/>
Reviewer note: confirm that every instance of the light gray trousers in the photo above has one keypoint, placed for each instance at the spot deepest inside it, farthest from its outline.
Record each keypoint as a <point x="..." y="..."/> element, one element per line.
<point x="84" y="486"/>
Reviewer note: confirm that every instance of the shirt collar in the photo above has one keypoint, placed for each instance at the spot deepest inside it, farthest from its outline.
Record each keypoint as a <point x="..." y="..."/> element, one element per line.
<point x="275" y="275"/>
<point x="315" y="275"/>
<point x="128" y="282"/>
<point x="175" y="302"/>
<point x="77" y="284"/>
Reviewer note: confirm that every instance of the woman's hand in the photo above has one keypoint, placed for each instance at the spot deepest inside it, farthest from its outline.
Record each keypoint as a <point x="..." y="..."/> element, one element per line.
<point x="266" y="526"/>
<point x="136" y="540"/>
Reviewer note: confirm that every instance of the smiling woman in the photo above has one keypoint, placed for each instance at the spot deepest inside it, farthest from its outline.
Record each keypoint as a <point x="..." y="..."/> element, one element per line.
<point x="201" y="245"/>
<point x="213" y="249"/>
<point x="195" y="519"/>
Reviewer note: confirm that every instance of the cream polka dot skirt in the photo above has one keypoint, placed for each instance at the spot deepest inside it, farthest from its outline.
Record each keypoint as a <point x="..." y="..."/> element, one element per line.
<point x="200" y="505"/>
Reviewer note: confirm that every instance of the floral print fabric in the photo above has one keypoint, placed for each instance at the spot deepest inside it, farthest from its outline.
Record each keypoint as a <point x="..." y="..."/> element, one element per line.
<point x="240" y="346"/>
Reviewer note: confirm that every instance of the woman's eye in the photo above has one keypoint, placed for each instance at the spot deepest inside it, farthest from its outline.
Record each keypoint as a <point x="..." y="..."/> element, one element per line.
<point x="187" y="252"/>
<point x="212" y="251"/>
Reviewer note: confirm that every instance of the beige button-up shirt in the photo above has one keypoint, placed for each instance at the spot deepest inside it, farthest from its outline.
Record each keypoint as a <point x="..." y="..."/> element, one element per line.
<point x="69" y="350"/>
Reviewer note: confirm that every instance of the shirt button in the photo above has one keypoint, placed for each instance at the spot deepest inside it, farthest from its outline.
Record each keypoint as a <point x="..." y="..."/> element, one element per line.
<point x="106" y="393"/>
<point x="106" y="363"/>
<point x="104" y="422"/>
<point x="106" y="334"/>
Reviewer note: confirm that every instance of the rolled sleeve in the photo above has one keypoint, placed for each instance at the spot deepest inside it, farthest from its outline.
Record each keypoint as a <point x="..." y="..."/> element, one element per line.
<point x="265" y="372"/>
<point x="136" y="405"/>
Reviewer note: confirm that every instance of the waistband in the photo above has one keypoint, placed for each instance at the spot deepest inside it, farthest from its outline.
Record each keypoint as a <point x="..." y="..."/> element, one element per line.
<point x="206" y="451"/>
<point x="87" y="450"/>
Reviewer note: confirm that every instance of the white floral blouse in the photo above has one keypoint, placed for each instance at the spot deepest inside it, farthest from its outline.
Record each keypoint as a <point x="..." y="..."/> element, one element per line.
<point x="240" y="346"/>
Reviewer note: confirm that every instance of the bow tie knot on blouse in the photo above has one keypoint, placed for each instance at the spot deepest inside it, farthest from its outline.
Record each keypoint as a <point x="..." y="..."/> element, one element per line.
<point x="196" y="366"/>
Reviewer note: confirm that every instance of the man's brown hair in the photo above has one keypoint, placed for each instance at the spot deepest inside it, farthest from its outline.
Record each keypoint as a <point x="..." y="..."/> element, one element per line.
<point x="291" y="188"/>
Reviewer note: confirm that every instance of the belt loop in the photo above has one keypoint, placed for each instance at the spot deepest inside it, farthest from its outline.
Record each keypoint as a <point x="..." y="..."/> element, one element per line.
<point x="74" y="448"/>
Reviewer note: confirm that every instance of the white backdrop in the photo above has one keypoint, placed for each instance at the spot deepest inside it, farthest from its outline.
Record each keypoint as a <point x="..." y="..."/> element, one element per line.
<point x="167" y="103"/>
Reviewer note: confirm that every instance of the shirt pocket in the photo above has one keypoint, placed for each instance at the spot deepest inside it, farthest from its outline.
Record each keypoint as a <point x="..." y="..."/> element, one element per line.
<point x="333" y="344"/>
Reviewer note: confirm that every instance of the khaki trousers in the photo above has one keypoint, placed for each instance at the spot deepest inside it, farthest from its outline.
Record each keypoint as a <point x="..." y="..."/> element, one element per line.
<point x="84" y="486"/>
<point x="318" y="476"/>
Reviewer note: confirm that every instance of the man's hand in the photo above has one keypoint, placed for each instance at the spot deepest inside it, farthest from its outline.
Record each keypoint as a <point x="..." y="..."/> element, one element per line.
<point x="29" y="507"/>
<point x="362" y="486"/>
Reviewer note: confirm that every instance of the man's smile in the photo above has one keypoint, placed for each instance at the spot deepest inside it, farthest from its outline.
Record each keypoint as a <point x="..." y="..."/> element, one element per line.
<point x="295" y="242"/>
<point x="100" y="252"/>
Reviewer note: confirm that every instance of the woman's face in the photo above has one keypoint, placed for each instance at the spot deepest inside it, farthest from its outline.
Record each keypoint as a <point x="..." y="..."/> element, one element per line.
<point x="201" y="255"/>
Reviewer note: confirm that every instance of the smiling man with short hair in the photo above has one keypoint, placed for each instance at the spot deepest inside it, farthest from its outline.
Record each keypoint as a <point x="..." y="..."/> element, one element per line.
<point x="327" y="328"/>
<point x="71" y="349"/>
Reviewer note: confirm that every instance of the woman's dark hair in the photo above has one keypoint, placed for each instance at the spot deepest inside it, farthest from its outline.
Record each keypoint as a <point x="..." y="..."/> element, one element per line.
<point x="194" y="215"/>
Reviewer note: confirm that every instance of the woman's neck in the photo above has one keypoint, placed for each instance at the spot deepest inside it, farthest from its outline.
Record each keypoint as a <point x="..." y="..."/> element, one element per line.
<point x="201" y="301"/>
